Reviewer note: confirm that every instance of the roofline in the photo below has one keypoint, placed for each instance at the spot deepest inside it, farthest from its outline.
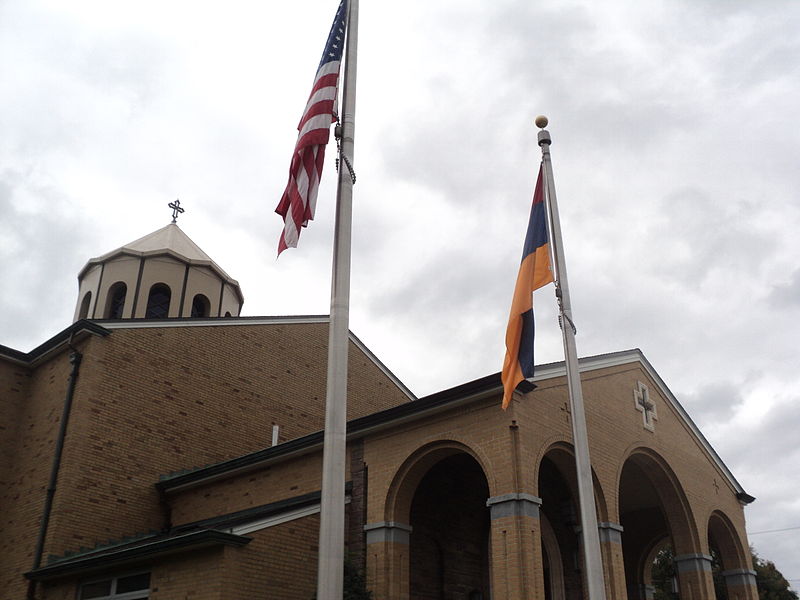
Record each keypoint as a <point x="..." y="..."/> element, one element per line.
<point x="256" y="320"/>
<point x="104" y="327"/>
<point x="448" y="399"/>
<point x="77" y="331"/>
<point x="164" y="252"/>
<point x="741" y="495"/>
<point x="135" y="553"/>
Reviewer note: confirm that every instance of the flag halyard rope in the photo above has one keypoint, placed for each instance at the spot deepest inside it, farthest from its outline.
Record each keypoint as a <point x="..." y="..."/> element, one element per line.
<point x="337" y="132"/>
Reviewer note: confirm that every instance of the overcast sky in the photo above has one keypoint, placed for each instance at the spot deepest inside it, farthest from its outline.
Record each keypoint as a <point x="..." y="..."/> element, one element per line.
<point x="675" y="149"/>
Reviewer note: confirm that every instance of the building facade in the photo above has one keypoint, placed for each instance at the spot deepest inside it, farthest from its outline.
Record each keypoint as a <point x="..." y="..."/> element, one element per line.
<point x="180" y="456"/>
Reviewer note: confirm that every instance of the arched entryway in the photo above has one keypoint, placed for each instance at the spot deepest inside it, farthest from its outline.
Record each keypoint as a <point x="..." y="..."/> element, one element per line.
<point x="654" y="515"/>
<point x="733" y="577"/>
<point x="449" y="540"/>
<point x="433" y="539"/>
<point x="562" y="556"/>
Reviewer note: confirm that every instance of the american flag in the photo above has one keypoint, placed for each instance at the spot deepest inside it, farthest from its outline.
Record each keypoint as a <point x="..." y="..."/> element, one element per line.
<point x="300" y="196"/>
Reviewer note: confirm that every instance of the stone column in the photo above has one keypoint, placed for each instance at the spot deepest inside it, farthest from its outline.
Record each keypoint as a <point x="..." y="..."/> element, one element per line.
<point x="741" y="584"/>
<point x="387" y="559"/>
<point x="516" y="547"/>
<point x="694" y="576"/>
<point x="613" y="563"/>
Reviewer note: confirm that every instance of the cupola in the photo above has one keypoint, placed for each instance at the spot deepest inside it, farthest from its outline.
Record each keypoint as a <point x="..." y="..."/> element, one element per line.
<point x="163" y="274"/>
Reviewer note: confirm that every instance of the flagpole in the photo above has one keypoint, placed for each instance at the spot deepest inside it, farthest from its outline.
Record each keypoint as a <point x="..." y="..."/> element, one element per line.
<point x="591" y="538"/>
<point x="330" y="569"/>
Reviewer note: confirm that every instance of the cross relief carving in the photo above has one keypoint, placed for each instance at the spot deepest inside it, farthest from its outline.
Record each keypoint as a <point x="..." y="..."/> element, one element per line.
<point x="643" y="403"/>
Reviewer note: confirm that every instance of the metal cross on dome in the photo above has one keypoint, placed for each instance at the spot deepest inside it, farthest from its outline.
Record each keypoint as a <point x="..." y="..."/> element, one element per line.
<point x="176" y="210"/>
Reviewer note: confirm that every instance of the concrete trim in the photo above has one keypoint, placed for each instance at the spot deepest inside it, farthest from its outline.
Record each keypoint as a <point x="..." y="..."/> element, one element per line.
<point x="610" y="532"/>
<point x="739" y="577"/>
<point x="387" y="531"/>
<point x="685" y="563"/>
<point x="514" y="505"/>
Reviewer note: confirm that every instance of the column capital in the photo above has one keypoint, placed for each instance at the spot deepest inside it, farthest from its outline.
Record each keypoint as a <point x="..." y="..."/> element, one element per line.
<point x="513" y="505"/>
<point x="743" y="577"/>
<point x="692" y="562"/>
<point x="387" y="531"/>
<point x="610" y="532"/>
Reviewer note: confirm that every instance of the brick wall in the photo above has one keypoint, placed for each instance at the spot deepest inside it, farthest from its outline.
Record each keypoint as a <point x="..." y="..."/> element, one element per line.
<point x="37" y="418"/>
<point x="156" y="400"/>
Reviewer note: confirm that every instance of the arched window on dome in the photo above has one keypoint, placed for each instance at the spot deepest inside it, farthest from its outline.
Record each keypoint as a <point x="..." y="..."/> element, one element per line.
<point x="201" y="307"/>
<point x="158" y="302"/>
<point x="84" y="311"/>
<point x="115" y="301"/>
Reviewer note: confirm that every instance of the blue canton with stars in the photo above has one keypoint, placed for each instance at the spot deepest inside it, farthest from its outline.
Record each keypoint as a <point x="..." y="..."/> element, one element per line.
<point x="335" y="43"/>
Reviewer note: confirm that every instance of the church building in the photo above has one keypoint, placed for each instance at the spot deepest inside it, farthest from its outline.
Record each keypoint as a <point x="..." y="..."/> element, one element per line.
<point x="164" y="447"/>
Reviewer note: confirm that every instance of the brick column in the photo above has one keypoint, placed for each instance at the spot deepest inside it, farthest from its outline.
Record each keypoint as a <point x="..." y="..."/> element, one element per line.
<point x="741" y="584"/>
<point x="694" y="576"/>
<point x="613" y="563"/>
<point x="387" y="559"/>
<point x="516" y="547"/>
<point x="357" y="509"/>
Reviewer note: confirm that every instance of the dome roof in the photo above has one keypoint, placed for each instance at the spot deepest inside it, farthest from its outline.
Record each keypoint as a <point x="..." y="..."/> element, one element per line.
<point x="169" y="240"/>
<point x="161" y="275"/>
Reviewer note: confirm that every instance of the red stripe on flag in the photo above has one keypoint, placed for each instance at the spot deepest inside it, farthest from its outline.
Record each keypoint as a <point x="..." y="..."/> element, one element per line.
<point x="299" y="199"/>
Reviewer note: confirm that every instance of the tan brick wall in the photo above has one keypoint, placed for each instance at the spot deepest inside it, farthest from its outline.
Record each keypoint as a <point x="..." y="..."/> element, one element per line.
<point x="37" y="420"/>
<point x="14" y="382"/>
<point x="156" y="400"/>
<point x="142" y="409"/>
<point x="615" y="431"/>
<point x="280" y="563"/>
<point x="198" y="575"/>
<point x="271" y="484"/>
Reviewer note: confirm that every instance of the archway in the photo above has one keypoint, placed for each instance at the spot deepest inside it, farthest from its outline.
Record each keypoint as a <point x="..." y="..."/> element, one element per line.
<point x="115" y="300"/>
<point x="158" y="302"/>
<point x="449" y="540"/>
<point x="654" y="513"/>
<point x="201" y="306"/>
<point x="729" y="560"/>
<point x="562" y="555"/>
<point x="83" y="313"/>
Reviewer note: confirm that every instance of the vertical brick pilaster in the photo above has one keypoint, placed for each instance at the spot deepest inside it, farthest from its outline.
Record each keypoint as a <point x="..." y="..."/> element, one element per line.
<point x="516" y="551"/>
<point x="387" y="559"/>
<point x="741" y="584"/>
<point x="357" y="508"/>
<point x="694" y="576"/>
<point x="613" y="564"/>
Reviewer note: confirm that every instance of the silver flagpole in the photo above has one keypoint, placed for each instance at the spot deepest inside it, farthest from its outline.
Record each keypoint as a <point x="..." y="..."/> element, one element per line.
<point x="591" y="537"/>
<point x="330" y="570"/>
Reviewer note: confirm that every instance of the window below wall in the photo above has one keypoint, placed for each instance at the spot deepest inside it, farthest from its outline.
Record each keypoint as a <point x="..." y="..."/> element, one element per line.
<point x="134" y="586"/>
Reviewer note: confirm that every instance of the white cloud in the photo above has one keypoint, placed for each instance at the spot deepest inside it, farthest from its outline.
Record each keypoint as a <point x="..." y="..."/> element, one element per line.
<point x="674" y="152"/>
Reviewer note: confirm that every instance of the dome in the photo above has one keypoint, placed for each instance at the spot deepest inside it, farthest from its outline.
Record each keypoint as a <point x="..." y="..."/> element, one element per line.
<point x="163" y="274"/>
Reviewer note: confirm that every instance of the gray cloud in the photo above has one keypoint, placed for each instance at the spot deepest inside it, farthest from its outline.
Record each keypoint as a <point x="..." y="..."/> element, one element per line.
<point x="786" y="295"/>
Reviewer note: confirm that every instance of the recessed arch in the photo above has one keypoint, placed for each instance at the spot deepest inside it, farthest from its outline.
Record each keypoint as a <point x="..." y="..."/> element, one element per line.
<point x="553" y="562"/>
<point x="158" y="301"/>
<point x="562" y="453"/>
<point x="677" y="510"/>
<point x="724" y="538"/>
<point x="440" y="492"/>
<point x="83" y="312"/>
<point x="557" y="486"/>
<point x="115" y="300"/>
<point x="653" y="511"/>
<point x="201" y="306"/>
<point x="415" y="467"/>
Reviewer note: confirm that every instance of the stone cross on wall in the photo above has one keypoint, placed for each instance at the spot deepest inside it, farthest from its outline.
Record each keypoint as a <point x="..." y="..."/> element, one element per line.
<point x="642" y="402"/>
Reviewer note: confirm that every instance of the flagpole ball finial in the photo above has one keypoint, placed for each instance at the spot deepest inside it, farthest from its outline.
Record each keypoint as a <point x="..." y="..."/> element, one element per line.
<point x="541" y="121"/>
